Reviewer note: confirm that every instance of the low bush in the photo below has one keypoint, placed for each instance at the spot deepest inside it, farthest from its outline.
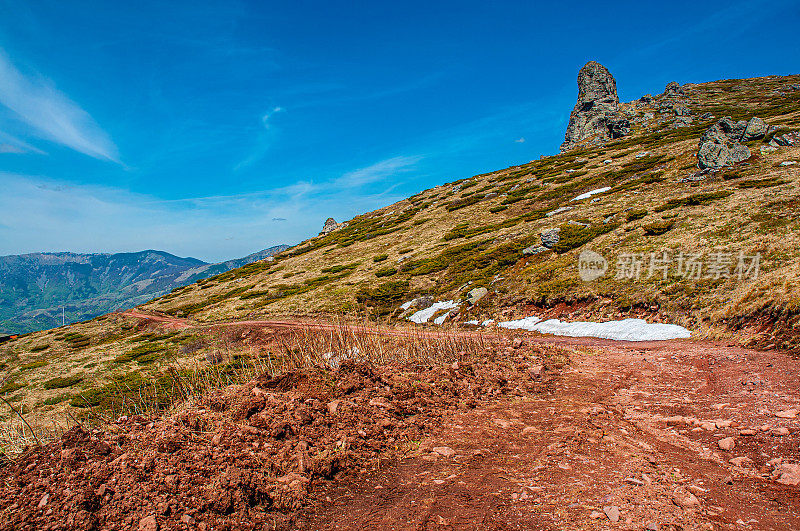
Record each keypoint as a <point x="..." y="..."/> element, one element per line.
<point x="574" y="236"/>
<point x="658" y="228"/>
<point x="385" y="272"/>
<point x="33" y="365"/>
<point x="62" y="382"/>
<point x="693" y="200"/>
<point x="633" y="215"/>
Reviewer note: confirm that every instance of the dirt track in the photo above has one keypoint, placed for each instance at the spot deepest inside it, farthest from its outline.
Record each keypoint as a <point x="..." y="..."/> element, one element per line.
<point x="631" y="428"/>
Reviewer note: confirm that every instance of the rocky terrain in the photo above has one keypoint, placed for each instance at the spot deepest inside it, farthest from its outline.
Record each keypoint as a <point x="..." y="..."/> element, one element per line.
<point x="34" y="288"/>
<point x="379" y="375"/>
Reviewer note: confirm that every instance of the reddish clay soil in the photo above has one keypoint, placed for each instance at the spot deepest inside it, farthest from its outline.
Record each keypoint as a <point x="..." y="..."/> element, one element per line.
<point x="663" y="435"/>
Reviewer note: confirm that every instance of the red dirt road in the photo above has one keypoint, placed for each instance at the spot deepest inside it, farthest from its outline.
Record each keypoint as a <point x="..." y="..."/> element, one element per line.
<point x="670" y="435"/>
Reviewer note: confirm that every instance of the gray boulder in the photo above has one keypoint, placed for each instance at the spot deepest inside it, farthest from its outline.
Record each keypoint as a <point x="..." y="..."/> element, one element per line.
<point x="713" y="156"/>
<point x="673" y="89"/>
<point x="550" y="237"/>
<point x="720" y="144"/>
<point x="477" y="294"/>
<point x="534" y="249"/>
<point x="596" y="115"/>
<point x="330" y="226"/>
<point x="756" y="128"/>
<point x="420" y="303"/>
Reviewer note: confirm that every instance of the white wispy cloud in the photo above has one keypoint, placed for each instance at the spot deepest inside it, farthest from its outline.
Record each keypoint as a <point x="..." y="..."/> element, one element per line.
<point x="39" y="214"/>
<point x="51" y="114"/>
<point x="267" y="115"/>
<point x="376" y="172"/>
<point x="520" y="140"/>
<point x="12" y="144"/>
<point x="263" y="141"/>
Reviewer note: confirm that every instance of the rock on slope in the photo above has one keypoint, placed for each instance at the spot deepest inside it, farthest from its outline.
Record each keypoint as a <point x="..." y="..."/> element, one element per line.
<point x="596" y="114"/>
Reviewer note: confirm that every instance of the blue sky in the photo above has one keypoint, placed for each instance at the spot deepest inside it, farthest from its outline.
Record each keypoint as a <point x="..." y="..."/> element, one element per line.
<point x="215" y="129"/>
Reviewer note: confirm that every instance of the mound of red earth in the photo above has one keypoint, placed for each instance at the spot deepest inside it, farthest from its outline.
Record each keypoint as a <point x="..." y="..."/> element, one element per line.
<point x="252" y="456"/>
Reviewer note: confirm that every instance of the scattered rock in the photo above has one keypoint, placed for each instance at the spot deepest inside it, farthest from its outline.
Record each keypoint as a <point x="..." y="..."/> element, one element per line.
<point x="444" y="451"/>
<point x="741" y="461"/>
<point x="787" y="473"/>
<point x="44" y="500"/>
<point x="786" y="414"/>
<point x="747" y="432"/>
<point x="148" y="523"/>
<point x="596" y="515"/>
<point x="780" y="432"/>
<point x="534" y="249"/>
<point x="727" y="444"/>
<point x="477" y="294"/>
<point x="333" y="406"/>
<point x="550" y="237"/>
<point x="719" y="146"/>
<point x="755" y="129"/>
<point x="683" y="498"/>
<point x="612" y="512"/>
<point x="596" y="114"/>
<point x="673" y="89"/>
<point x="531" y="430"/>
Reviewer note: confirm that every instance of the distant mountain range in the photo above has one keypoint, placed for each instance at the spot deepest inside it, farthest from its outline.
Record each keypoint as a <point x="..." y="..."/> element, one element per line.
<point x="34" y="288"/>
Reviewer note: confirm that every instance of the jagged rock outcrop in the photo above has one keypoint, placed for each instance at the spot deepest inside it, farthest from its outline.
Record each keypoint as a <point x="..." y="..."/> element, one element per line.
<point x="596" y="115"/>
<point x="721" y="144"/>
<point x="330" y="226"/>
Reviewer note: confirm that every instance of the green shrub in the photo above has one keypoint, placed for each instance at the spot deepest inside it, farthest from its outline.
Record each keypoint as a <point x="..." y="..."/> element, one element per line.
<point x="499" y="208"/>
<point x="461" y="203"/>
<point x="385" y="272"/>
<point x="658" y="228"/>
<point x="762" y="183"/>
<point x="406" y="251"/>
<point x="56" y="399"/>
<point x="383" y="294"/>
<point x="33" y="365"/>
<point x="380" y="258"/>
<point x="574" y="236"/>
<point x="693" y="200"/>
<point x="39" y="348"/>
<point x="341" y="267"/>
<point x="10" y="387"/>
<point x="633" y="215"/>
<point x="62" y="382"/>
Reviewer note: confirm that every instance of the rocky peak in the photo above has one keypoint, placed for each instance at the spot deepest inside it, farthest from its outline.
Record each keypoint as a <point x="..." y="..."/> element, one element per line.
<point x="330" y="226"/>
<point x="596" y="86"/>
<point x="596" y="115"/>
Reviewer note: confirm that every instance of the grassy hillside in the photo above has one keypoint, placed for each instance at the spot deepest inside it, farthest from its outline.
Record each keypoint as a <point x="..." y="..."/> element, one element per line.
<point x="472" y="232"/>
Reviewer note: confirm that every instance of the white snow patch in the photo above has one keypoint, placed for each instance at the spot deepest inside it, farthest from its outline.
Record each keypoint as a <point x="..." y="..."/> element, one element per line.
<point x="590" y="193"/>
<point x="788" y="163"/>
<point x="642" y="154"/>
<point x="607" y="161"/>
<point x="488" y="322"/>
<point x="439" y="320"/>
<point x="473" y="322"/>
<point x="559" y="210"/>
<point x="624" y="330"/>
<point x="422" y="316"/>
<point x="407" y="305"/>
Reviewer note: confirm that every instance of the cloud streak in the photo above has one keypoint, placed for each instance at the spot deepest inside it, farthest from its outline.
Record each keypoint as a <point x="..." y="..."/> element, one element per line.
<point x="39" y="214"/>
<point x="52" y="115"/>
